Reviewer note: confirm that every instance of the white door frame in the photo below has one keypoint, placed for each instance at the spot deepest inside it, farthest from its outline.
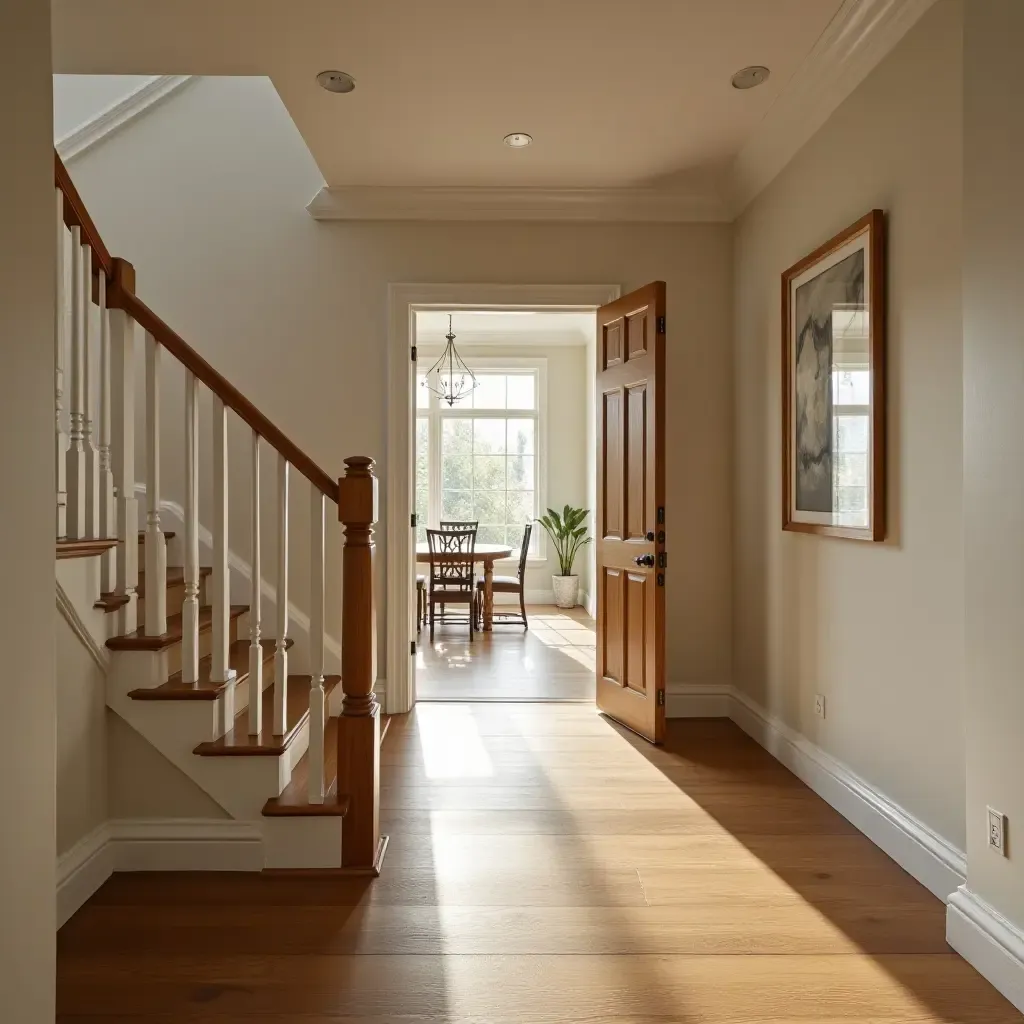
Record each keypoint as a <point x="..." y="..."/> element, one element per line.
<point x="403" y="302"/>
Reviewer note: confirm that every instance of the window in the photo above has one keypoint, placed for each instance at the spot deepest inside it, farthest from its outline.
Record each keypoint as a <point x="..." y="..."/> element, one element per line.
<point x="851" y="397"/>
<point x="481" y="458"/>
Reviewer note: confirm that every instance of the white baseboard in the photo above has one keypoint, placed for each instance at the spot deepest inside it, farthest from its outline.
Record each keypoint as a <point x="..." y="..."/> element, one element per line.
<point x="935" y="862"/>
<point x="154" y="844"/>
<point x="990" y="943"/>
<point x="186" y="844"/>
<point x="697" y="700"/>
<point x="82" y="870"/>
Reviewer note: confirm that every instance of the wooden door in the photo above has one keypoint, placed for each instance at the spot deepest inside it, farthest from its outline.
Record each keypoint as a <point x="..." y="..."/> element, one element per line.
<point x="630" y="523"/>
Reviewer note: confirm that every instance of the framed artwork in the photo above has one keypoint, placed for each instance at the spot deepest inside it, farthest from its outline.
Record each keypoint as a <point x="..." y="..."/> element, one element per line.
<point x="833" y="386"/>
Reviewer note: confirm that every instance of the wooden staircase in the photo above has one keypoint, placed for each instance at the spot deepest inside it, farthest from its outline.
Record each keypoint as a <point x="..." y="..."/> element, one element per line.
<point x="195" y="674"/>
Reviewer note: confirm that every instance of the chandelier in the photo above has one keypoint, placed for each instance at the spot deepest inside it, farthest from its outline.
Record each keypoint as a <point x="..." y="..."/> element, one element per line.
<point x="450" y="378"/>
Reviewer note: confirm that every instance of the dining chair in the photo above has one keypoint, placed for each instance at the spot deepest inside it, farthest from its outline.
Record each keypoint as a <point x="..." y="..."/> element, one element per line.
<point x="509" y="585"/>
<point x="452" y="573"/>
<point x="459" y="524"/>
<point x="421" y="601"/>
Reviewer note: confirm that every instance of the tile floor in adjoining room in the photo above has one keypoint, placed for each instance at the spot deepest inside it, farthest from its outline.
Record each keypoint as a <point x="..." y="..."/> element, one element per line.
<point x="552" y="660"/>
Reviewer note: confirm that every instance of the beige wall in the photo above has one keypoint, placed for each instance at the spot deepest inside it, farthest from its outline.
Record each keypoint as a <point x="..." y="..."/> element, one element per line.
<point x="994" y="443"/>
<point x="27" y="263"/>
<point x="878" y="628"/>
<point x="81" y="739"/>
<point x="206" y="196"/>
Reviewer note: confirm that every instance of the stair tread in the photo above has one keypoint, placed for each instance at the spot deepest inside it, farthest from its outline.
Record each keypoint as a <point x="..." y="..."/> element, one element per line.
<point x="294" y="799"/>
<point x="83" y="548"/>
<point x="205" y="689"/>
<point x="238" y="742"/>
<point x="138" y="641"/>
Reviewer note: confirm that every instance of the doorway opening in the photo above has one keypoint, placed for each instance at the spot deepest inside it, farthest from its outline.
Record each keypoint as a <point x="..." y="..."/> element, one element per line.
<point x="493" y="463"/>
<point x="523" y="441"/>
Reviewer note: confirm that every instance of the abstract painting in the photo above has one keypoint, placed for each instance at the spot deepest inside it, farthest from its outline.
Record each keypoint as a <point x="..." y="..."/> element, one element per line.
<point x="833" y="386"/>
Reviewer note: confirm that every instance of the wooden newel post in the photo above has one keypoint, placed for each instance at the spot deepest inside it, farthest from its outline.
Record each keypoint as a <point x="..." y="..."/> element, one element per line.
<point x="359" y="724"/>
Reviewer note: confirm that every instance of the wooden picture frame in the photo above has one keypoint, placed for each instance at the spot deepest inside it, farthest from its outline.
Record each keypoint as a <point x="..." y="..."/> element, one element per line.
<point x="833" y="386"/>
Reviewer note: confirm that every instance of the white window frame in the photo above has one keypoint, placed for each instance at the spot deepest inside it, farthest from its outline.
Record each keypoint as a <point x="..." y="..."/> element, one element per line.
<point x="435" y="413"/>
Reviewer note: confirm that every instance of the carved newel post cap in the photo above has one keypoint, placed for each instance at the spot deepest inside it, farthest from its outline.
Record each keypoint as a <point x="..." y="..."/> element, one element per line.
<point x="357" y="492"/>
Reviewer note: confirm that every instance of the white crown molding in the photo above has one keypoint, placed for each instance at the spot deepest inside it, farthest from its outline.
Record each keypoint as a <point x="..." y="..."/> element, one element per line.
<point x="855" y="41"/>
<point x="153" y="844"/>
<point x="990" y="943"/>
<point x="67" y="609"/>
<point x="396" y="202"/>
<point x="116" y="116"/>
<point x="932" y="859"/>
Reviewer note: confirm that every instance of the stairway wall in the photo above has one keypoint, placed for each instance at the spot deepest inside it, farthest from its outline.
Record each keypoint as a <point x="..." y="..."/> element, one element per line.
<point x="206" y="196"/>
<point x="27" y="685"/>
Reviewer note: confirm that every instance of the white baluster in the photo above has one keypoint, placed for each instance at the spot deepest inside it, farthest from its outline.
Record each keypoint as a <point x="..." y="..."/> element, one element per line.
<point x="59" y="341"/>
<point x="255" y="648"/>
<point x="221" y="670"/>
<point x="317" y="703"/>
<point x="190" y="603"/>
<point x="281" y="650"/>
<point x="122" y="343"/>
<point x="76" y="517"/>
<point x="156" y="545"/>
<point x="92" y="456"/>
<point x="108" y="510"/>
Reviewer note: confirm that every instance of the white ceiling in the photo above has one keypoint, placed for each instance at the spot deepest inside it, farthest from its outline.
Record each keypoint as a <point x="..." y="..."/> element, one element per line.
<point x="473" y="327"/>
<point x="615" y="94"/>
<point x="631" y="98"/>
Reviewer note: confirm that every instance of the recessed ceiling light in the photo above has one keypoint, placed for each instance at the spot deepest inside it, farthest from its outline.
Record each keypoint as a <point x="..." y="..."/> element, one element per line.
<point x="518" y="140"/>
<point x="750" y="77"/>
<point x="336" y="81"/>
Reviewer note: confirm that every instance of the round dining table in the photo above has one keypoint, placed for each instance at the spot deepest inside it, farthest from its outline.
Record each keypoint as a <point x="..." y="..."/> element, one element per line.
<point x="488" y="554"/>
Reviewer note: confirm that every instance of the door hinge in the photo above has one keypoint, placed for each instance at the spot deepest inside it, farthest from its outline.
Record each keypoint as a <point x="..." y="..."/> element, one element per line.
<point x="661" y="579"/>
<point x="661" y="698"/>
<point x="412" y="647"/>
<point x="412" y="520"/>
<point x="413" y="352"/>
<point x="661" y="325"/>
<point x="661" y="515"/>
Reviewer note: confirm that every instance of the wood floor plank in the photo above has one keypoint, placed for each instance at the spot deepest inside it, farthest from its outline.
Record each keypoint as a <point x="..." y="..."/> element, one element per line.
<point x="710" y="989"/>
<point x="545" y="866"/>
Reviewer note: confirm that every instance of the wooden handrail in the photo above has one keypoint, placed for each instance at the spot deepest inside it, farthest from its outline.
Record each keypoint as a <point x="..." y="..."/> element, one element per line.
<point x="121" y="295"/>
<point x="75" y="214"/>
<point x="127" y="300"/>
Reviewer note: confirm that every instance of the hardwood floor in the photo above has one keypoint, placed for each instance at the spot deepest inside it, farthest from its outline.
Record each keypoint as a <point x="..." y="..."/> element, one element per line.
<point x="553" y="660"/>
<point x="545" y="866"/>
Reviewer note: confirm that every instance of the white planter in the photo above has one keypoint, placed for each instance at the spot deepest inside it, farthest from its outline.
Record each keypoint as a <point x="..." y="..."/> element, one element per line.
<point x="567" y="590"/>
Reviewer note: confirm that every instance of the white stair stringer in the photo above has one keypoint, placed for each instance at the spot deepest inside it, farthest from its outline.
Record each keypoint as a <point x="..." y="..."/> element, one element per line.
<point x="239" y="784"/>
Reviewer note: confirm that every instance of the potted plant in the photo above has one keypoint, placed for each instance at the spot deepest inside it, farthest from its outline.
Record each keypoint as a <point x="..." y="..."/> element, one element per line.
<point x="568" y="532"/>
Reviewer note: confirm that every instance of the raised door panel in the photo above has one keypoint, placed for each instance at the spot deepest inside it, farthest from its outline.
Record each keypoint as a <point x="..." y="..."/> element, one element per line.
<point x="637" y="326"/>
<point x="635" y="452"/>
<point x="612" y="343"/>
<point x="611" y="477"/>
<point x="635" y="631"/>
<point x="612" y="626"/>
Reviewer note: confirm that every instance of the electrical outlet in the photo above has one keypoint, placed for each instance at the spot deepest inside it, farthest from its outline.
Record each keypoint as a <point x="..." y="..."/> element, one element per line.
<point x="997" y="831"/>
<point x="819" y="705"/>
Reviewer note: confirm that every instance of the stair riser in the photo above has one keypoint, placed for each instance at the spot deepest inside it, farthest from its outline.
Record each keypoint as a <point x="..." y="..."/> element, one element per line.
<point x="238" y="630"/>
<point x="176" y="598"/>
